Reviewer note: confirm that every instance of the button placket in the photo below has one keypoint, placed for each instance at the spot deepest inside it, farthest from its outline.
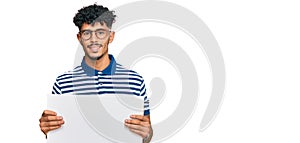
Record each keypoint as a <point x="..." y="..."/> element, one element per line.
<point x="99" y="79"/>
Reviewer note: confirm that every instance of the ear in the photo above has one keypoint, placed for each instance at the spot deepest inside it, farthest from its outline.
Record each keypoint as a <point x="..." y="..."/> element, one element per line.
<point x="111" y="36"/>
<point x="78" y="37"/>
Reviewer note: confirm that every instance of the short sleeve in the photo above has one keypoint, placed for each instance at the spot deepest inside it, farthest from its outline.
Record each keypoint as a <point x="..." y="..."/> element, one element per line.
<point x="56" y="88"/>
<point x="146" y="100"/>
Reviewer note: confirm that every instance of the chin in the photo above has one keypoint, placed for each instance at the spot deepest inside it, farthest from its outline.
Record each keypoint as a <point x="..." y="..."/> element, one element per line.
<point x="95" y="57"/>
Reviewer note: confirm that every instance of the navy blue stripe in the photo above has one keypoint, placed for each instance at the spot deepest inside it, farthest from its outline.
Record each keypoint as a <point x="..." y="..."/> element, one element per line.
<point x="143" y="94"/>
<point x="113" y="87"/>
<point x="77" y="85"/>
<point x="121" y="78"/>
<point x="128" y="74"/>
<point x="56" y="85"/>
<point x="55" y="91"/>
<point x="119" y="67"/>
<point x="78" y="90"/>
<point x="78" y="80"/>
<point x="72" y="76"/>
<point x="79" y="74"/>
<point x="143" y="88"/>
<point x="125" y="70"/>
<point x="136" y="79"/>
<point x="126" y="83"/>
<point x="87" y="93"/>
<point x="78" y="68"/>
<point x="67" y="91"/>
<point x="146" y="112"/>
<point x="66" y="74"/>
<point x="118" y="92"/>
<point x="84" y="93"/>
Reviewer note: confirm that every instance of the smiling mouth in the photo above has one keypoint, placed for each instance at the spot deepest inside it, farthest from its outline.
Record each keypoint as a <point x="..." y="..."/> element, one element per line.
<point x="95" y="47"/>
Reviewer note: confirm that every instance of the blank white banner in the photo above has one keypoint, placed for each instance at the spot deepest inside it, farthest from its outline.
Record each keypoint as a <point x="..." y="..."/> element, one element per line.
<point x="94" y="119"/>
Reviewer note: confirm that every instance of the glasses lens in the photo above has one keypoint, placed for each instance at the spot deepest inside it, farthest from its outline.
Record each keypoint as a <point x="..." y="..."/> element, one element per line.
<point x="86" y="35"/>
<point x="101" y="34"/>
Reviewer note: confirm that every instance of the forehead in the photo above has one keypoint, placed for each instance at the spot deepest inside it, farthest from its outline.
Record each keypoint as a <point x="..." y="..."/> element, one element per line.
<point x="94" y="26"/>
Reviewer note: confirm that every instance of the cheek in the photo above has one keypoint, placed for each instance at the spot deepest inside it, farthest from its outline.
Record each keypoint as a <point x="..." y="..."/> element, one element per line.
<point x="83" y="43"/>
<point x="105" y="43"/>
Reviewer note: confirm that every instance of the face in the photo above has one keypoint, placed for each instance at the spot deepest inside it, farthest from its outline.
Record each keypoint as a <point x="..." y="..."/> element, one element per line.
<point x="94" y="40"/>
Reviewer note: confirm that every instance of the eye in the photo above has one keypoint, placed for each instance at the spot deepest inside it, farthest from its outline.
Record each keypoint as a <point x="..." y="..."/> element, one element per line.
<point x="101" y="32"/>
<point x="86" y="33"/>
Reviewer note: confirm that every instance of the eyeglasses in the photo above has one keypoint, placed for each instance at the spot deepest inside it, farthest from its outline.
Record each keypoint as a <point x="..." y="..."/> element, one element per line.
<point x="100" y="34"/>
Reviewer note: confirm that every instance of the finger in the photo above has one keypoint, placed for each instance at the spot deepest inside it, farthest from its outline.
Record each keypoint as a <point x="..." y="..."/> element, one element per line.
<point x="52" y="123"/>
<point x="137" y="122"/>
<point x="49" y="112"/>
<point x="47" y="129"/>
<point x="141" y="133"/>
<point x="132" y="126"/>
<point x="137" y="127"/>
<point x="140" y="117"/>
<point x="51" y="118"/>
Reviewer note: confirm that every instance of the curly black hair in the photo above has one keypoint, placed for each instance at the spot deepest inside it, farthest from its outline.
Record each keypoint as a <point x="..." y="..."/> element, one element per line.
<point x="94" y="13"/>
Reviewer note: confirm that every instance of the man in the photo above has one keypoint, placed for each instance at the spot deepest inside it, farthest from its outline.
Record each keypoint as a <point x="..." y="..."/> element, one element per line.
<point x="99" y="73"/>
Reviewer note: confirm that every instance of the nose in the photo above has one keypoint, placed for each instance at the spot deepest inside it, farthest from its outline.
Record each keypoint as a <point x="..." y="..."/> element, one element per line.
<point x="94" y="38"/>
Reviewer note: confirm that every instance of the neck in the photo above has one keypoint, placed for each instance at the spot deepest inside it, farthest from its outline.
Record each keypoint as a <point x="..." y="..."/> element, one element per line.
<point x="99" y="64"/>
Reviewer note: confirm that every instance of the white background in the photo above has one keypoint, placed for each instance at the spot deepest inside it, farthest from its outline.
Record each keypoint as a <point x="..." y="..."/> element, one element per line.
<point x="259" y="40"/>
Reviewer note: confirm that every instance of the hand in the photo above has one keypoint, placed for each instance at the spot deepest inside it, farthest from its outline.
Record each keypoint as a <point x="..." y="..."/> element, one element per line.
<point x="140" y="125"/>
<point x="50" y="121"/>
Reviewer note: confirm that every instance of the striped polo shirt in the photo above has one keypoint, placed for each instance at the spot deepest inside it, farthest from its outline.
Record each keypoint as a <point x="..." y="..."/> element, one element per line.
<point x="114" y="79"/>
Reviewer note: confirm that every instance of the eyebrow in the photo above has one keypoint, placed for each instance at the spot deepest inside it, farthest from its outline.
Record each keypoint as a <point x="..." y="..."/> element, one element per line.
<point x="94" y="30"/>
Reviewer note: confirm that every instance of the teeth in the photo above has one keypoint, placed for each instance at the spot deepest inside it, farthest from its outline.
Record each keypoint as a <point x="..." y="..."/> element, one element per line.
<point x="94" y="48"/>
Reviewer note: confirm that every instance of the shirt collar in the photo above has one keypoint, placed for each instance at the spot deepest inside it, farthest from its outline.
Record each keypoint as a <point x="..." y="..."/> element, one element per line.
<point x="109" y="70"/>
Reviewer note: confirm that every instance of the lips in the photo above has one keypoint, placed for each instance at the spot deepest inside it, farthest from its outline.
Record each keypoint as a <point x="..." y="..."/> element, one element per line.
<point x="94" y="47"/>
